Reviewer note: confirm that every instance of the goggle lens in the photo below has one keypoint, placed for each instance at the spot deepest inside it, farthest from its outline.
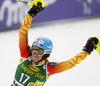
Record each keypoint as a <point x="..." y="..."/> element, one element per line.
<point x="40" y="51"/>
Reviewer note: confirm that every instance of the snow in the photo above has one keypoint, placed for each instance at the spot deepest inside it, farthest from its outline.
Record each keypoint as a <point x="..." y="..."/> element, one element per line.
<point x="68" y="40"/>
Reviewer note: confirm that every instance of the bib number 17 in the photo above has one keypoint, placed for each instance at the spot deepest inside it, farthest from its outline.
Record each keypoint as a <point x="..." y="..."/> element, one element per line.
<point x="25" y="80"/>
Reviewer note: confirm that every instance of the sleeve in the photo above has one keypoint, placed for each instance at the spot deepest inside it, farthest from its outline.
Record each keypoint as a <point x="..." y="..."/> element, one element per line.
<point x="60" y="67"/>
<point x="23" y="40"/>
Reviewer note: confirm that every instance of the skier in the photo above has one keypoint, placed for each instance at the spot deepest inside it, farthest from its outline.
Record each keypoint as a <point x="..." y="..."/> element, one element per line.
<point x="34" y="68"/>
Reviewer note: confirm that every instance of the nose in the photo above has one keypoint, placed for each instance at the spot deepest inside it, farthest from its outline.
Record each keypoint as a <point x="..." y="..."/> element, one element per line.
<point x="35" y="53"/>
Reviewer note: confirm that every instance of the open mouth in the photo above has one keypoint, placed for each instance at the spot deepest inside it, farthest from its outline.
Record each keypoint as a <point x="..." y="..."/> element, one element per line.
<point x="35" y="56"/>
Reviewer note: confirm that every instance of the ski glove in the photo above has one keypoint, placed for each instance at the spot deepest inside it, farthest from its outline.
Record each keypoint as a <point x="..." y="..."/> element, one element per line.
<point x="90" y="45"/>
<point x="36" y="9"/>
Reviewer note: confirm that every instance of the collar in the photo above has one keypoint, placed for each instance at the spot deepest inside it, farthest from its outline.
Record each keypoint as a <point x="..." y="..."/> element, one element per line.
<point x="40" y="63"/>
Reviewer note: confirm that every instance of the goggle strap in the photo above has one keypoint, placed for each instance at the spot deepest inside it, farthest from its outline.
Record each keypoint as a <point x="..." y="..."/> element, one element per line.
<point x="47" y="52"/>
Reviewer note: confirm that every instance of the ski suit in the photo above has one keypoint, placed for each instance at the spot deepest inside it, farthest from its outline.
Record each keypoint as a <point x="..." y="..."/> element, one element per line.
<point x="29" y="74"/>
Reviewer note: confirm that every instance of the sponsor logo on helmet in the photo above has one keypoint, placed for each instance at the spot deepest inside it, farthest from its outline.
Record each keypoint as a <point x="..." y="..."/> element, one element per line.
<point x="50" y="47"/>
<point x="39" y="41"/>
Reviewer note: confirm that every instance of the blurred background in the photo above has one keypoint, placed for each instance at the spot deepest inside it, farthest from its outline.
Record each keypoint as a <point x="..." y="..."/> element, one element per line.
<point x="68" y="23"/>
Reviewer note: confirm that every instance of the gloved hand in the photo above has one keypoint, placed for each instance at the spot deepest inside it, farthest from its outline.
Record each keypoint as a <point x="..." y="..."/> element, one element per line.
<point x="91" y="44"/>
<point x="36" y="8"/>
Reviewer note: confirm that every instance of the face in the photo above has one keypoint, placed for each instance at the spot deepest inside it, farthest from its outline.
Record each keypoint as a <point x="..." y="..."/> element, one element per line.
<point x="36" y="57"/>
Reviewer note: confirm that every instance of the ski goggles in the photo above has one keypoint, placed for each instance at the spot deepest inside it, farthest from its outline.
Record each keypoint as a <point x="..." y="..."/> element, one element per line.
<point x="39" y="51"/>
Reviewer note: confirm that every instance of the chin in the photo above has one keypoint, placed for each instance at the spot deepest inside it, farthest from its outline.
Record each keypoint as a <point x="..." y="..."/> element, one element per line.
<point x="35" y="61"/>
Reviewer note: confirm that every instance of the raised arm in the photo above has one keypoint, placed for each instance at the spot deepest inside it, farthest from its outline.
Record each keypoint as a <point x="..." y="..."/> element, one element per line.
<point x="23" y="39"/>
<point x="60" y="67"/>
<point x="23" y="32"/>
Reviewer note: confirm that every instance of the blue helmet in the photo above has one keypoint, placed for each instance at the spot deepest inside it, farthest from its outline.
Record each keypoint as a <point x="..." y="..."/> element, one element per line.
<point x="44" y="43"/>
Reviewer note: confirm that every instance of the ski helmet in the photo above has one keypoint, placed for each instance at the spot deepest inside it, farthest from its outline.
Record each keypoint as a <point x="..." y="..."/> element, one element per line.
<point x="44" y="43"/>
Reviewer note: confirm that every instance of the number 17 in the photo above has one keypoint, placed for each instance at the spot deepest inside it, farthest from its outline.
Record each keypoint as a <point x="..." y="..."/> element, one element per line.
<point x="27" y="78"/>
